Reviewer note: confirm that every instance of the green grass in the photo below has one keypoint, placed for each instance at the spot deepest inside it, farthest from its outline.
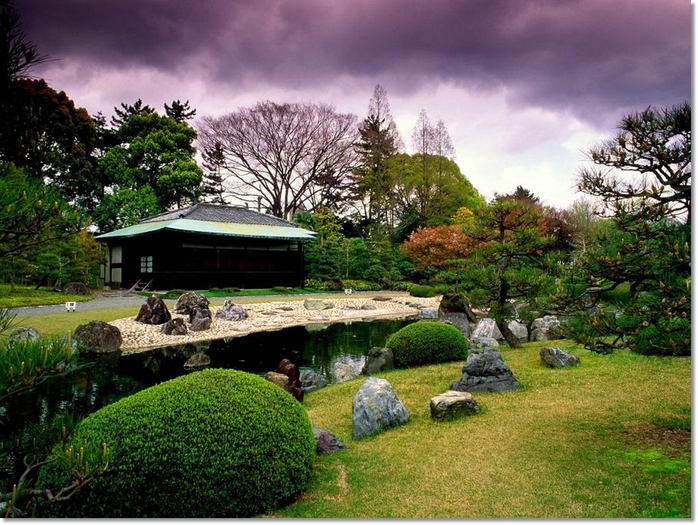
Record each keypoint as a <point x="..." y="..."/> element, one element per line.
<point x="593" y="441"/>
<point x="18" y="296"/>
<point x="237" y="292"/>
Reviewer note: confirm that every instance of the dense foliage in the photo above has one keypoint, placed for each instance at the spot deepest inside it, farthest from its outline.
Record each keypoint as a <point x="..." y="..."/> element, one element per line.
<point x="427" y="342"/>
<point x="214" y="443"/>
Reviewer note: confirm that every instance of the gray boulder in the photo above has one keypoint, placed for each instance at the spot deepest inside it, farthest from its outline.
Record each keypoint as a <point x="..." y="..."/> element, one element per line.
<point x="459" y="320"/>
<point x="378" y="360"/>
<point x="452" y="405"/>
<point x="484" y="342"/>
<point x="196" y="361"/>
<point x="347" y="370"/>
<point x="189" y="302"/>
<point x="311" y="380"/>
<point x="519" y="330"/>
<point x="24" y="334"/>
<point x="486" y="371"/>
<point x="326" y="443"/>
<point x="487" y="328"/>
<point x="201" y="320"/>
<point x="546" y="328"/>
<point x="97" y="337"/>
<point x="553" y="357"/>
<point x="429" y="313"/>
<point x="317" y="304"/>
<point x="376" y="407"/>
<point x="175" y="326"/>
<point x="231" y="312"/>
<point x="153" y="311"/>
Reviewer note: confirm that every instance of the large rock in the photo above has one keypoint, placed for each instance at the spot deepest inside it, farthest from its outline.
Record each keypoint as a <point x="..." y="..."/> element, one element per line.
<point x="326" y="443"/>
<point x="197" y="361"/>
<point x="294" y="386"/>
<point x="486" y="371"/>
<point x="154" y="311"/>
<point x="201" y="320"/>
<point x="317" y="304"/>
<point x="231" y="312"/>
<point x="428" y="313"/>
<point x="77" y="289"/>
<point x="24" y="334"/>
<point x="553" y="357"/>
<point x="280" y="380"/>
<point x="175" y="326"/>
<point x="378" y="360"/>
<point x="311" y="380"/>
<point x="546" y="328"/>
<point x="346" y="371"/>
<point x="459" y="320"/>
<point x="487" y="327"/>
<point x="189" y="302"/>
<point x="452" y="405"/>
<point x="483" y="342"/>
<point x="375" y="408"/>
<point x="519" y="330"/>
<point x="97" y="337"/>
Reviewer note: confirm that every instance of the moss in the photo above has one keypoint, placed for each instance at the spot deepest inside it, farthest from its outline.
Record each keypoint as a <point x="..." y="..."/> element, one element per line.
<point x="427" y="342"/>
<point x="215" y="443"/>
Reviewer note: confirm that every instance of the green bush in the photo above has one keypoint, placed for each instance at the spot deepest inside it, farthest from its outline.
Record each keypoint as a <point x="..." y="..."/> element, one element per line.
<point x="214" y="443"/>
<point x="360" y="285"/>
<point x="427" y="342"/>
<point x="419" y="290"/>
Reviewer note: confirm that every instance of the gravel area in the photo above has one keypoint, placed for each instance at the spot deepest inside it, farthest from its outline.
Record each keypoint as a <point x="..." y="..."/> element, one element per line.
<point x="273" y="315"/>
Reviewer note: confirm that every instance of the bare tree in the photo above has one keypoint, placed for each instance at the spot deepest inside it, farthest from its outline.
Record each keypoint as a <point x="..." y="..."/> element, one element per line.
<point x="379" y="107"/>
<point x="284" y="157"/>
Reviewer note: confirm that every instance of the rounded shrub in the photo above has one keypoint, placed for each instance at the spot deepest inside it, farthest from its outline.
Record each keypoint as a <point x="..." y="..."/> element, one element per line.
<point x="419" y="290"/>
<point x="214" y="443"/>
<point x="426" y="342"/>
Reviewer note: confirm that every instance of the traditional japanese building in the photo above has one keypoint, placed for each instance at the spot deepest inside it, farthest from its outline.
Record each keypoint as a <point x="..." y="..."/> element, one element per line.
<point x="206" y="246"/>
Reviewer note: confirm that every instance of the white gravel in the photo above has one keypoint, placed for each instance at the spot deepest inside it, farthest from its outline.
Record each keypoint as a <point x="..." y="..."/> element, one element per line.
<point x="270" y="316"/>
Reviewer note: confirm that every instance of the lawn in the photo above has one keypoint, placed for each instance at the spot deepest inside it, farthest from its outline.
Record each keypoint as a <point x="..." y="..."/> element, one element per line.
<point x="609" y="439"/>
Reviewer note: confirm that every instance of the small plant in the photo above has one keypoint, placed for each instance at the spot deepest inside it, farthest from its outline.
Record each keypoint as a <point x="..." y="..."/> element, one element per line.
<point x="427" y="342"/>
<point x="214" y="443"/>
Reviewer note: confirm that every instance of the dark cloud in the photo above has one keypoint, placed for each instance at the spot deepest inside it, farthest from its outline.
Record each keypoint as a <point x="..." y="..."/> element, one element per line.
<point x="587" y="57"/>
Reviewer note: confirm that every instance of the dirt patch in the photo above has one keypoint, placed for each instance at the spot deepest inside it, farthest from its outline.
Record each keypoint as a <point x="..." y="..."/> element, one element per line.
<point x="676" y="442"/>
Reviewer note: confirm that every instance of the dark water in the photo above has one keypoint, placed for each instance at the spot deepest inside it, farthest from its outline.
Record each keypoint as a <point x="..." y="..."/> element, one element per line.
<point x="105" y="379"/>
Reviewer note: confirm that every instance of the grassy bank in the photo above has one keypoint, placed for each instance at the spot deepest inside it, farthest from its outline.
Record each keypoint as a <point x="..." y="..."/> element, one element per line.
<point x="610" y="438"/>
<point x="17" y="296"/>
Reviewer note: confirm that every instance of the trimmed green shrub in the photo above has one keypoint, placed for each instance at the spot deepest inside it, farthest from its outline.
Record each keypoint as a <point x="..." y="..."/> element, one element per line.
<point x="419" y="290"/>
<point x="359" y="285"/>
<point x="427" y="342"/>
<point x="214" y="443"/>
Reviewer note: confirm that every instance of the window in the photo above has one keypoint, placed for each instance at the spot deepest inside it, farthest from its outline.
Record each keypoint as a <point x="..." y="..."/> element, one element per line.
<point x="147" y="264"/>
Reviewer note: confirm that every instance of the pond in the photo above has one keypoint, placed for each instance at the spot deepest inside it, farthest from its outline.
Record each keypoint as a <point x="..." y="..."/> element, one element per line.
<point x="105" y="379"/>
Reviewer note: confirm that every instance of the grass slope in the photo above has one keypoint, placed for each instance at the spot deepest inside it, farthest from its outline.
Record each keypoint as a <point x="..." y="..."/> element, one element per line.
<point x="610" y="438"/>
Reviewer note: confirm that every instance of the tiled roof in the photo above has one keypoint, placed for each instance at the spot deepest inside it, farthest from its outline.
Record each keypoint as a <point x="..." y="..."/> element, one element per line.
<point x="214" y="219"/>
<point x="221" y="213"/>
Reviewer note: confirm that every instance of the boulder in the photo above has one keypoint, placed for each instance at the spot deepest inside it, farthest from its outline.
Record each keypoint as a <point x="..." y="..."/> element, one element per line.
<point x="231" y="312"/>
<point x="280" y="380"/>
<point x="77" y="289"/>
<point x="553" y="357"/>
<point x="429" y="313"/>
<point x="311" y="380"/>
<point x="452" y="405"/>
<point x="189" y="302"/>
<point x="294" y="386"/>
<point x="201" y="320"/>
<point x="377" y="360"/>
<point x="317" y="304"/>
<point x="484" y="342"/>
<point x="326" y="443"/>
<point x="519" y="330"/>
<point x="376" y="407"/>
<point x="24" y="334"/>
<point x="97" y="337"/>
<point x="196" y="361"/>
<point x="546" y="328"/>
<point x="175" y="326"/>
<point x="457" y="319"/>
<point x="154" y="311"/>
<point x="346" y="371"/>
<point x="487" y="327"/>
<point x="486" y="371"/>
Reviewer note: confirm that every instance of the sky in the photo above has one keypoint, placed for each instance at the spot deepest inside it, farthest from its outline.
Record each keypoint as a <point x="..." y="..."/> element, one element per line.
<point x="524" y="87"/>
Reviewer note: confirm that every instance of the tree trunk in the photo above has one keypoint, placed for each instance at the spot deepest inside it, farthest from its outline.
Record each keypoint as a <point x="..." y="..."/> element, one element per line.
<point x="509" y="336"/>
